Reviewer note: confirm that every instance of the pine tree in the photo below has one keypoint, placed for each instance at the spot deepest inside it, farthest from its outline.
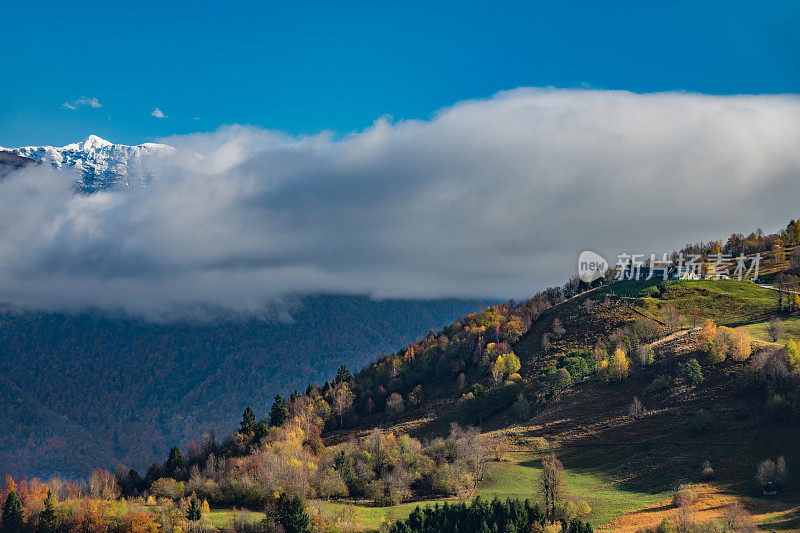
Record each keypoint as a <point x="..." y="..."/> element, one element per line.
<point x="292" y="514"/>
<point x="279" y="412"/>
<point x="261" y="430"/>
<point x="47" y="519"/>
<point x="248" y="422"/>
<point x="193" y="513"/>
<point x="13" y="519"/>
<point x="174" y="461"/>
<point x="343" y="375"/>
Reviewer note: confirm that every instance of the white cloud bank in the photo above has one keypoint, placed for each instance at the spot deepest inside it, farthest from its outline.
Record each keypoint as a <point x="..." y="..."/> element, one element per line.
<point x="491" y="198"/>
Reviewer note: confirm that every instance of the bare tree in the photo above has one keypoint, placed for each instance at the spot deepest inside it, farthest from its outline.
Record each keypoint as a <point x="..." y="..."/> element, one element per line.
<point x="558" y="329"/>
<point x="671" y="318"/>
<point x="781" y="471"/>
<point x="342" y="399"/>
<point x="546" y="341"/>
<point x="636" y="409"/>
<point x="394" y="403"/>
<point x="470" y="451"/>
<point x="551" y="484"/>
<point x="775" y="328"/>
<point x="103" y="484"/>
<point x="500" y="446"/>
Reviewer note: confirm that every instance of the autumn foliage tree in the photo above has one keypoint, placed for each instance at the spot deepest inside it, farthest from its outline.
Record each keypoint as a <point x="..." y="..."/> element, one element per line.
<point x="707" y="332"/>
<point x="616" y="367"/>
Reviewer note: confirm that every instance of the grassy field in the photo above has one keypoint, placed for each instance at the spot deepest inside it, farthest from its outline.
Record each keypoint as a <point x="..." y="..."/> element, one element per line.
<point x="791" y="330"/>
<point x="517" y="479"/>
<point x="727" y="302"/>
<point x="220" y="518"/>
<point x="513" y="479"/>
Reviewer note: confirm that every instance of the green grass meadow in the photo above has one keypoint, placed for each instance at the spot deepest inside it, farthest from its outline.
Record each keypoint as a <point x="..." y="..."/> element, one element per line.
<point x="513" y="479"/>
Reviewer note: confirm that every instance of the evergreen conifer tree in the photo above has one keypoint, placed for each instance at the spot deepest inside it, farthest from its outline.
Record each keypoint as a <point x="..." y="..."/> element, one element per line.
<point x="279" y="412"/>
<point x="174" y="461"/>
<point x="248" y="422"/>
<point x="13" y="520"/>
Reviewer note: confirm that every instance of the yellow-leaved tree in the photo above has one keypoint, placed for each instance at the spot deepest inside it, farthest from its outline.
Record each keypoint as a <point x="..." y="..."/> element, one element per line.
<point x="615" y="368"/>
<point x="708" y="331"/>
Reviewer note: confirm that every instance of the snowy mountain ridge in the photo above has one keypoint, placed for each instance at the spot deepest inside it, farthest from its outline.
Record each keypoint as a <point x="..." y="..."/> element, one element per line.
<point x="100" y="164"/>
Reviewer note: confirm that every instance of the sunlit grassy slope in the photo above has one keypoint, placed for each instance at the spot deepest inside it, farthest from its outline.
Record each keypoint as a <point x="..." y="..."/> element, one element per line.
<point x="727" y="302"/>
<point x="517" y="479"/>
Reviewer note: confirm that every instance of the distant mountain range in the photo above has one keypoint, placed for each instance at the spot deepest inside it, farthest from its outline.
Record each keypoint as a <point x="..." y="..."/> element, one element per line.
<point x="97" y="163"/>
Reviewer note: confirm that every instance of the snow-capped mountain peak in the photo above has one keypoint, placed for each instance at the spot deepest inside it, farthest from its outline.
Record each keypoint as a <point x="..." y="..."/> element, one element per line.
<point x="92" y="142"/>
<point x="100" y="164"/>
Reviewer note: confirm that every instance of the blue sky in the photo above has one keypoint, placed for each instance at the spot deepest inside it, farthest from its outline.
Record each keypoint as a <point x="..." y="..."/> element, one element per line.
<point x="302" y="67"/>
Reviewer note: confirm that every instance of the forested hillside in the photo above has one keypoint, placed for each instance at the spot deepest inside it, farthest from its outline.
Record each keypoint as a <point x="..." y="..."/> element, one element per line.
<point x="88" y="390"/>
<point x="638" y="405"/>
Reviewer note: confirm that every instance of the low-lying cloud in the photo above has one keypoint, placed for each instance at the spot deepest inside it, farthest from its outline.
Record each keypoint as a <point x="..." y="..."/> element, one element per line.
<point x="490" y="198"/>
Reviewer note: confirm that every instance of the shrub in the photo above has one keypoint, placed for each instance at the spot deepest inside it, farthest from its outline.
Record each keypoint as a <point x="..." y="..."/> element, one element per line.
<point x="567" y="510"/>
<point x="659" y="383"/>
<point x="701" y="421"/>
<point x="793" y="355"/>
<point x="576" y="366"/>
<point x="521" y="409"/>
<point x="665" y="526"/>
<point x="708" y="472"/>
<point x="684" y="496"/>
<point x="477" y="390"/>
<point x="713" y="353"/>
<point x="166" y="487"/>
<point x="583" y="508"/>
<point x="694" y="376"/>
<point x="540" y="444"/>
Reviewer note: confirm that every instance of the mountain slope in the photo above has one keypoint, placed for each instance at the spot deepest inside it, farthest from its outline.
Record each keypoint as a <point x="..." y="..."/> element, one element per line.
<point x="10" y="162"/>
<point x="37" y="439"/>
<point x="145" y="387"/>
